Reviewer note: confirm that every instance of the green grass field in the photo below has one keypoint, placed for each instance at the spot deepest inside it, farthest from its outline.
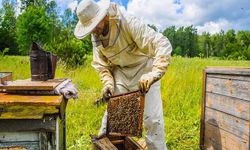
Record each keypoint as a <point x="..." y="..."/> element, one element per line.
<point x="181" y="93"/>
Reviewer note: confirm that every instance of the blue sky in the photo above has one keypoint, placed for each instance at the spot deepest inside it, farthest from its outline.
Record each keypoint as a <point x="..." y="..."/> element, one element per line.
<point x="206" y="15"/>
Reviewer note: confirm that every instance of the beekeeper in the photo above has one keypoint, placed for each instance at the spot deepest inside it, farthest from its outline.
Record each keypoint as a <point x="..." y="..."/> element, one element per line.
<point x="129" y="56"/>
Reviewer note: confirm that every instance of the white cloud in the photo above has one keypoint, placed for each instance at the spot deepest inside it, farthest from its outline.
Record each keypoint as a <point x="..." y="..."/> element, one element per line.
<point x="206" y="15"/>
<point x="214" y="27"/>
<point x="72" y="5"/>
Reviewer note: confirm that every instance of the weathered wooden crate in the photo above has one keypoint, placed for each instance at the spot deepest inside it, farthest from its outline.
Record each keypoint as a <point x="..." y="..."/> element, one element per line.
<point x="32" y="122"/>
<point x="225" y="109"/>
<point x="5" y="76"/>
<point x="125" y="114"/>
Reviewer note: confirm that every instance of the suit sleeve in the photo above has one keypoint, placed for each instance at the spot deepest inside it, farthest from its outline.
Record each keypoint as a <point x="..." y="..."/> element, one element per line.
<point x="158" y="46"/>
<point x="101" y="65"/>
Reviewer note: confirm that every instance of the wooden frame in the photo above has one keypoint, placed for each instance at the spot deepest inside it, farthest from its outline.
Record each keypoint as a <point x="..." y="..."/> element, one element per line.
<point x="114" y="102"/>
<point x="116" y="143"/>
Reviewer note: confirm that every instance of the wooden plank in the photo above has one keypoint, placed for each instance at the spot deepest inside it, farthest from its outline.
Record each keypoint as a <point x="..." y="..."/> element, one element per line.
<point x="236" y="107"/>
<point x="43" y="141"/>
<point x="142" y="143"/>
<point x="131" y="144"/>
<point x="229" y="70"/>
<point x="104" y="144"/>
<point x="202" y="121"/>
<point x="60" y="139"/>
<point x="228" y="123"/>
<point x="19" y="136"/>
<point x="232" y="77"/>
<point x="227" y="87"/>
<point x="20" y="146"/>
<point x="33" y="85"/>
<point x="14" y="148"/>
<point x="12" y="125"/>
<point x="26" y="112"/>
<point x="216" y="138"/>
<point x="44" y="100"/>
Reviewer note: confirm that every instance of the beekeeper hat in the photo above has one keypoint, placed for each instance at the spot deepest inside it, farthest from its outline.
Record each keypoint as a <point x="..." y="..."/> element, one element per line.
<point x="89" y="13"/>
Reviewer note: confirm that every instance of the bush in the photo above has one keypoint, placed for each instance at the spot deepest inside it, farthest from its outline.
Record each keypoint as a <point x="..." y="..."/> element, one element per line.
<point x="70" y="50"/>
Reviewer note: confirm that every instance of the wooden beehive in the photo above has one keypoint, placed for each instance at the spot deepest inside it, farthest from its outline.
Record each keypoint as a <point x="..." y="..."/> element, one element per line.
<point x="125" y="114"/>
<point x="32" y="122"/>
<point x="225" y="109"/>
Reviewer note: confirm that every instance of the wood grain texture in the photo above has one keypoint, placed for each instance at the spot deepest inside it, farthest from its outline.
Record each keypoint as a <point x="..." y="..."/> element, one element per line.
<point x="19" y="146"/>
<point x="27" y="112"/>
<point x="28" y="106"/>
<point x="218" y="139"/>
<point x="229" y="123"/>
<point x="19" y="136"/>
<point x="60" y="135"/>
<point x="225" y="109"/>
<point x="104" y="144"/>
<point x="36" y="100"/>
<point x="33" y="85"/>
<point x="234" y="106"/>
<point x="231" y="77"/>
<point x="227" y="87"/>
<point x="202" y="127"/>
<point x="228" y="70"/>
<point x="131" y="144"/>
<point x="14" y="148"/>
<point x="47" y="124"/>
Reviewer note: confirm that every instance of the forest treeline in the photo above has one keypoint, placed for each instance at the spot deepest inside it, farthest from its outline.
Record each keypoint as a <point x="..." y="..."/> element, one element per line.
<point x="44" y="22"/>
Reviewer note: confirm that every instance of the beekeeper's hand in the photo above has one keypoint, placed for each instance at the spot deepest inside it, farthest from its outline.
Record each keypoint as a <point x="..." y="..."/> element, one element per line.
<point x="107" y="91"/>
<point x="147" y="80"/>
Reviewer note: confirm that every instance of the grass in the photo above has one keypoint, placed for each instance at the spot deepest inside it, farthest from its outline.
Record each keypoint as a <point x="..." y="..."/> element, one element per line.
<point x="181" y="93"/>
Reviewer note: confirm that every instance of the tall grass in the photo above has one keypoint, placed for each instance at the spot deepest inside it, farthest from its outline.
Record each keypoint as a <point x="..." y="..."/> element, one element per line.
<point x="181" y="94"/>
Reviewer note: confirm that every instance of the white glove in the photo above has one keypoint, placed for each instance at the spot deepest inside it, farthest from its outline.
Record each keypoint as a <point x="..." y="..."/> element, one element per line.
<point x="107" y="91"/>
<point x="147" y="80"/>
<point x="67" y="89"/>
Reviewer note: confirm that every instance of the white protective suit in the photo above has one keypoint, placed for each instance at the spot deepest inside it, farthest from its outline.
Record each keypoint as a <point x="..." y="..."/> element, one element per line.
<point x="133" y="50"/>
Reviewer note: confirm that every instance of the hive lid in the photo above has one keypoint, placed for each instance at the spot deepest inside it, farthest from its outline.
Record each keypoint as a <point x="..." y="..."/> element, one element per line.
<point x="33" y="85"/>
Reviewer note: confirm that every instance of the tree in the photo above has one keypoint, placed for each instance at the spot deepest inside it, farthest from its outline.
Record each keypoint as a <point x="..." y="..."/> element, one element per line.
<point x="71" y="50"/>
<point x="8" y="28"/>
<point x="218" y="44"/>
<point x="37" y="3"/>
<point x="170" y="33"/>
<point x="190" y="44"/>
<point x="33" y="25"/>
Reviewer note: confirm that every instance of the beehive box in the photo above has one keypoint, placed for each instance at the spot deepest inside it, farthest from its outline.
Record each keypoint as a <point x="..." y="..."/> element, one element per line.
<point x="125" y="114"/>
<point x="116" y="143"/>
<point x="5" y="76"/>
<point x="32" y="122"/>
<point x="225" y="109"/>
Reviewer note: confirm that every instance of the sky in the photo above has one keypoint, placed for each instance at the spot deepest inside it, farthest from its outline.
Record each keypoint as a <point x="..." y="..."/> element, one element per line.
<point x="206" y="15"/>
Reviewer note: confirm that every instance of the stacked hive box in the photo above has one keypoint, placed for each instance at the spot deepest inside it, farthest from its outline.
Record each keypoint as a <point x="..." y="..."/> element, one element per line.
<point x="225" y="109"/>
<point x="32" y="122"/>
